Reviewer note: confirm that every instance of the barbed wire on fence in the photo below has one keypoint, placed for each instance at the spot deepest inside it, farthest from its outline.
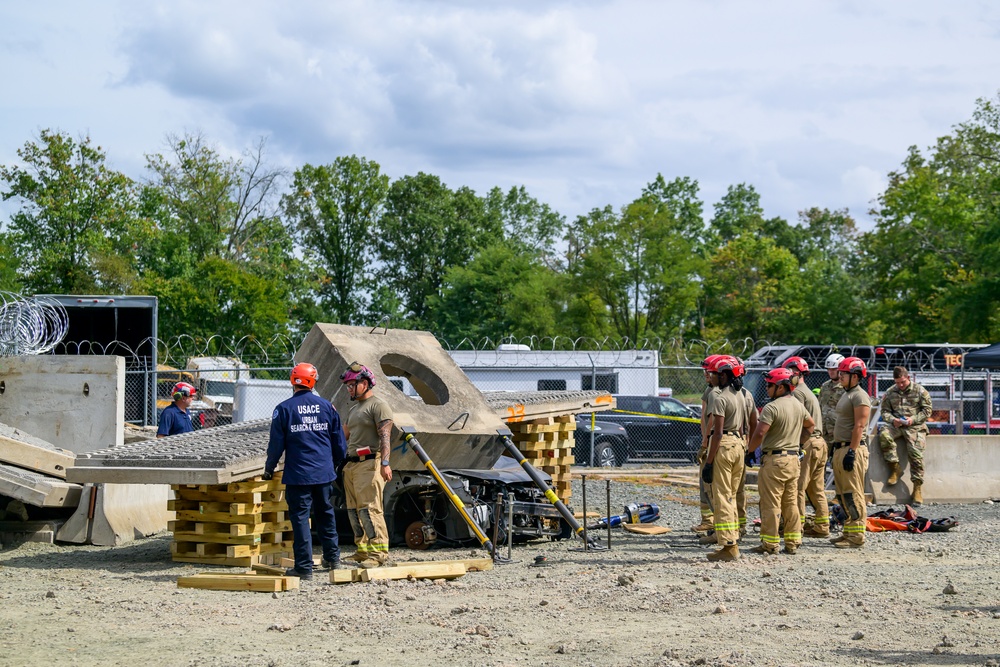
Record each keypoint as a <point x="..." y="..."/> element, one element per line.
<point x="30" y="325"/>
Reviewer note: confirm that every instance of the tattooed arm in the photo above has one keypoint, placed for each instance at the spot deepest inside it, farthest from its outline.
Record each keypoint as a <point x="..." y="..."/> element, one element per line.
<point x="384" y="431"/>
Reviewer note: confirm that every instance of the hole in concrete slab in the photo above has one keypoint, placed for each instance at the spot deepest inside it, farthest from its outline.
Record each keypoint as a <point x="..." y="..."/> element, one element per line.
<point x="426" y="382"/>
<point x="3" y="386"/>
<point x="86" y="389"/>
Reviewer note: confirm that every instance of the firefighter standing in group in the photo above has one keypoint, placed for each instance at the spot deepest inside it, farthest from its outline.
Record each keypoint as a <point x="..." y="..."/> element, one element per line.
<point x="725" y="415"/>
<point x="705" y="490"/>
<point x="850" y="452"/>
<point x="812" y="469"/>
<point x="783" y="426"/>
<point x="306" y="429"/>
<point x="906" y="407"/>
<point x="829" y="395"/>
<point x="368" y="428"/>
<point x="750" y="426"/>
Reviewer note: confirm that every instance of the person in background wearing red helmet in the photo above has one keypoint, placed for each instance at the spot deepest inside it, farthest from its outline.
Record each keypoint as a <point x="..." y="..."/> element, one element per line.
<point x="725" y="415"/>
<point x="751" y="426"/>
<point x="369" y="426"/>
<point x="812" y="475"/>
<point x="707" y="524"/>
<point x="783" y="425"/>
<point x="175" y="419"/>
<point x="850" y="452"/>
<point x="306" y="429"/>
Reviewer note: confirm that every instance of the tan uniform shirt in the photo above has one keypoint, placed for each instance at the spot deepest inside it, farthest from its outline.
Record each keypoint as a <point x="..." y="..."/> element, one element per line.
<point x="731" y="406"/>
<point x="363" y="421"/>
<point x="785" y="417"/>
<point x="809" y="401"/>
<point x="845" y="415"/>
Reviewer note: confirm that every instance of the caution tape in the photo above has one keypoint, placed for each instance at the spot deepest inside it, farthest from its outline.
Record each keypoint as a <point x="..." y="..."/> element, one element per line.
<point x="690" y="420"/>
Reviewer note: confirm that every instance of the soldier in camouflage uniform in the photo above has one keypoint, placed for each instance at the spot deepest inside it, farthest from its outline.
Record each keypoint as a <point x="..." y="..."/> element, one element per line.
<point x="829" y="395"/>
<point x="906" y="407"/>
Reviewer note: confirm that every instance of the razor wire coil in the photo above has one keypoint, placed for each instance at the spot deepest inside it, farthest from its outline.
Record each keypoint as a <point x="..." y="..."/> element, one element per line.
<point x="30" y="325"/>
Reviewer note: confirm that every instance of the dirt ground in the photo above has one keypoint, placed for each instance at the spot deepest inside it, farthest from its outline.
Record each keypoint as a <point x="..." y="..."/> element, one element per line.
<point x="647" y="601"/>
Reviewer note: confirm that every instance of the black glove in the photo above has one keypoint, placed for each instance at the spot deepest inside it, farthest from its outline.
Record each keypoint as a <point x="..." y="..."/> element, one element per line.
<point x="848" y="461"/>
<point x="706" y="473"/>
<point x="748" y="459"/>
<point x="267" y="476"/>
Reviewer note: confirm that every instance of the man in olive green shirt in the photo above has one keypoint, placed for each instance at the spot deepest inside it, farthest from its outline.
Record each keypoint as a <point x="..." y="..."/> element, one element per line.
<point x="906" y="407"/>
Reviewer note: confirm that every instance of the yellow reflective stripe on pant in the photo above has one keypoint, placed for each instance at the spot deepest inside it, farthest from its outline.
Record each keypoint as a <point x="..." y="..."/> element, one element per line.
<point x="363" y="486"/>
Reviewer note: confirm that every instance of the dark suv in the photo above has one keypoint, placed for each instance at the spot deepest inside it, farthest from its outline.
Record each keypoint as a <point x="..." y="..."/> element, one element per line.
<point x="610" y="442"/>
<point x="658" y="428"/>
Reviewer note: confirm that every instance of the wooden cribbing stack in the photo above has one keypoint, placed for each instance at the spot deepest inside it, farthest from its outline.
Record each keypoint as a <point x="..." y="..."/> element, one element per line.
<point x="547" y="443"/>
<point x="236" y="524"/>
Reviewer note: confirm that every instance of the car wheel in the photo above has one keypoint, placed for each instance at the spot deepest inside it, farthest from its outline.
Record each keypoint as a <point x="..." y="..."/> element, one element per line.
<point x="604" y="455"/>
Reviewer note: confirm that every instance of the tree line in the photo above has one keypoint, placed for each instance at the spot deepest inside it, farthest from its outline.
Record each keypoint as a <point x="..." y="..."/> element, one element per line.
<point x="232" y="246"/>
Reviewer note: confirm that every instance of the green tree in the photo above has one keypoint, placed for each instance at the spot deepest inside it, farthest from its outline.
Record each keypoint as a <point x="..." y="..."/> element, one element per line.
<point x="738" y="213"/>
<point x="524" y="221"/>
<point x="335" y="208"/>
<point x="641" y="264"/>
<point x="426" y="228"/>
<point x="78" y="225"/>
<point x="10" y="280"/>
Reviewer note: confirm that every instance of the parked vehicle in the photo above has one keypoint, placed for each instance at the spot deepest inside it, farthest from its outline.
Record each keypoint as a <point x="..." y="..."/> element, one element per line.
<point x="215" y="378"/>
<point x="658" y="429"/>
<point x="610" y="442"/>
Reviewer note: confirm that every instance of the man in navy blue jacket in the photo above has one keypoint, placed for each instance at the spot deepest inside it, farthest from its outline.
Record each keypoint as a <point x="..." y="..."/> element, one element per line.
<point x="306" y="429"/>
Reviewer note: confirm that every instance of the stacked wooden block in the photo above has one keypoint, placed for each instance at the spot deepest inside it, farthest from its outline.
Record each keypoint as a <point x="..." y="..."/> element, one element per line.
<point x="547" y="443"/>
<point x="236" y="524"/>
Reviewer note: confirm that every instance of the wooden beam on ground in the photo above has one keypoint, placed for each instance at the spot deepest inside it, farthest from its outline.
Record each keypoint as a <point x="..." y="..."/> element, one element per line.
<point x="430" y="570"/>
<point x="645" y="529"/>
<point x="239" y="582"/>
<point x="471" y="564"/>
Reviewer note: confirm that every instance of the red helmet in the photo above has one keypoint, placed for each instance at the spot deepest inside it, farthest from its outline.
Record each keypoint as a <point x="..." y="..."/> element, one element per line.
<point x="779" y="376"/>
<point x="710" y="361"/>
<point x="729" y="363"/>
<point x="183" y="390"/>
<point x="304" y="375"/>
<point x="853" y="365"/>
<point x="797" y="364"/>
<point x="358" y="372"/>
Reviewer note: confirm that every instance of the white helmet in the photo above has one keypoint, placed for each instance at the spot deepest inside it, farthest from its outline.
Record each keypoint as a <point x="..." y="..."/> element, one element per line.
<point x="833" y="361"/>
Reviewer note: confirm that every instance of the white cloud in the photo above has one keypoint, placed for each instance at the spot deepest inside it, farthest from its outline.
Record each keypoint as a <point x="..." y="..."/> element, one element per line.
<point x="584" y="103"/>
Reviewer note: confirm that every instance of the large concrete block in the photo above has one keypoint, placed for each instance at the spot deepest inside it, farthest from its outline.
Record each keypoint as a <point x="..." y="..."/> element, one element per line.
<point x="76" y="403"/>
<point x="957" y="469"/>
<point x="115" y="514"/>
<point x="456" y="426"/>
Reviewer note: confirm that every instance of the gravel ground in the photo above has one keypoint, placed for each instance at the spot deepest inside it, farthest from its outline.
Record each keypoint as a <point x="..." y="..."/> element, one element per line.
<point x="931" y="599"/>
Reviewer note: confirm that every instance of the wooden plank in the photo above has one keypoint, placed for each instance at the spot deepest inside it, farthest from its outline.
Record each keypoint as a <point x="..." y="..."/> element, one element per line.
<point x="422" y="571"/>
<point x="212" y="495"/>
<point x="239" y="509"/>
<point x="53" y="462"/>
<point x="214" y="560"/>
<point x="268" y="569"/>
<point x="471" y="564"/>
<point x="645" y="529"/>
<point x="225" y="517"/>
<point x="561" y="461"/>
<point x="234" y="583"/>
<point x="290" y="562"/>
<point x="217" y="538"/>
<point x="345" y="576"/>
<point x="255" y="485"/>
<point x="542" y="428"/>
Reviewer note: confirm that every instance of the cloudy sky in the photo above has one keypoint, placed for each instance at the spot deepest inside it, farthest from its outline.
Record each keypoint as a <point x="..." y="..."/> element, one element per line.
<point x="584" y="102"/>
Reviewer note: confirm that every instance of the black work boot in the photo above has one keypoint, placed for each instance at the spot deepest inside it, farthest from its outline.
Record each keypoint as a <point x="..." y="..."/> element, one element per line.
<point x="305" y="575"/>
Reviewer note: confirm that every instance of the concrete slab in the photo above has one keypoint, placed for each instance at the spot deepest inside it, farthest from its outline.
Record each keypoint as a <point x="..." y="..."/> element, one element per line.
<point x="29" y="531"/>
<point x="26" y="451"/>
<point x="958" y="469"/>
<point x="455" y="425"/>
<point x="115" y="514"/>
<point x="73" y="402"/>
<point x="36" y="489"/>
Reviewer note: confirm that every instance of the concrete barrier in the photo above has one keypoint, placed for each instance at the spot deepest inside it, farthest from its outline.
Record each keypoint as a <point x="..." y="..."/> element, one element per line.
<point x="957" y="469"/>
<point x="114" y="514"/>
<point x="76" y="403"/>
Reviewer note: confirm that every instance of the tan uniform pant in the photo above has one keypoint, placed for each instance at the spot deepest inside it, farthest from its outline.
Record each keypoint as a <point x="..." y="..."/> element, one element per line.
<point x="812" y="483"/>
<point x="851" y="492"/>
<point x="741" y="496"/>
<point x="704" y="490"/>
<point x="726" y="475"/>
<point x="778" y="485"/>
<point x="363" y="485"/>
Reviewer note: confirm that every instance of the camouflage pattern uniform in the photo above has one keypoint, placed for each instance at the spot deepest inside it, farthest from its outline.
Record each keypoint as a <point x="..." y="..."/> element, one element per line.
<point x="829" y="396"/>
<point x="913" y="402"/>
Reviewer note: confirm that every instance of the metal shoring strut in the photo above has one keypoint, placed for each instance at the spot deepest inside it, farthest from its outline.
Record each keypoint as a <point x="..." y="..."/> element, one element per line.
<point x="412" y="441"/>
<point x="567" y="516"/>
